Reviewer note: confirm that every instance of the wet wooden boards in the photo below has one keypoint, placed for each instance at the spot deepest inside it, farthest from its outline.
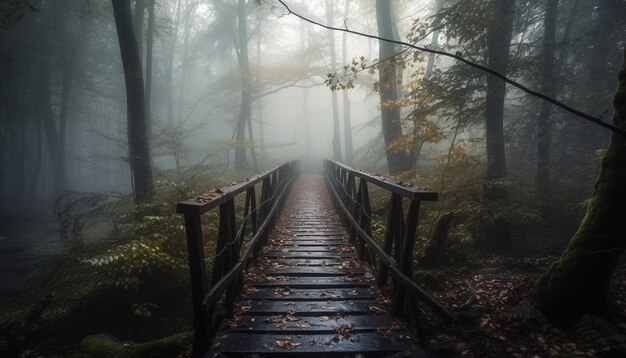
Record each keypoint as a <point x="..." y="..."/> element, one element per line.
<point x="308" y="294"/>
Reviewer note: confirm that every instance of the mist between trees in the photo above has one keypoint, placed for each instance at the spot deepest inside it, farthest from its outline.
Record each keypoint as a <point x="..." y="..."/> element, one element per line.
<point x="147" y="102"/>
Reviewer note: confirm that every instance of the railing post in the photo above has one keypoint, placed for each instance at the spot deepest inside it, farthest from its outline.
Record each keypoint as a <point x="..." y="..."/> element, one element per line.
<point x="253" y="209"/>
<point x="265" y="195"/>
<point x="274" y="183"/>
<point x="197" y="273"/>
<point x="232" y="254"/>
<point x="394" y="232"/>
<point x="365" y="214"/>
<point x="406" y="255"/>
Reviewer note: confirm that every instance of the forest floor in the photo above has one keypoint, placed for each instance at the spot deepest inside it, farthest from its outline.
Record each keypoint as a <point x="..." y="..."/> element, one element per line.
<point x="497" y="319"/>
<point x="489" y="295"/>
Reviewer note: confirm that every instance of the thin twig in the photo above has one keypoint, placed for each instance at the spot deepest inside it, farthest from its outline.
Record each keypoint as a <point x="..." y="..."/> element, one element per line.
<point x="457" y="57"/>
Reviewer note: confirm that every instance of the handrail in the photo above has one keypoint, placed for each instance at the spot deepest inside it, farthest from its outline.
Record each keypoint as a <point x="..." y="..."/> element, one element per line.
<point x="229" y="264"/>
<point x="354" y="206"/>
<point x="406" y="190"/>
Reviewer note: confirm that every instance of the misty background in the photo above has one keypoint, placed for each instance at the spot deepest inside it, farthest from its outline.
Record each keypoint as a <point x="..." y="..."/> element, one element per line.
<point x="94" y="155"/>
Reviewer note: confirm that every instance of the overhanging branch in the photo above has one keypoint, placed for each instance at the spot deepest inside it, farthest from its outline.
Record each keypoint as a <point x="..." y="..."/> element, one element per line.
<point x="513" y="83"/>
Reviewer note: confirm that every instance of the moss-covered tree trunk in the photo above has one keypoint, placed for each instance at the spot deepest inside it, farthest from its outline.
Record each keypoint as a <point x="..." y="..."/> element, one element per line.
<point x="578" y="282"/>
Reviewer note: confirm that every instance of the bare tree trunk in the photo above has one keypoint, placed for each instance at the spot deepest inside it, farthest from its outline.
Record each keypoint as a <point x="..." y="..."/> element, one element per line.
<point x="347" y="123"/>
<point x="333" y="95"/>
<point x="304" y="43"/>
<point x="255" y="162"/>
<point x="138" y="148"/>
<point x="434" y="43"/>
<point x="184" y="62"/>
<point x="50" y="130"/>
<point x="66" y="88"/>
<point x="544" y="128"/>
<point x="259" y="101"/>
<point x="140" y="10"/>
<point x="36" y="161"/>
<point x="397" y="160"/>
<point x="149" y="49"/>
<point x="498" y="43"/>
<point x="245" y="112"/>
<point x="170" y="66"/>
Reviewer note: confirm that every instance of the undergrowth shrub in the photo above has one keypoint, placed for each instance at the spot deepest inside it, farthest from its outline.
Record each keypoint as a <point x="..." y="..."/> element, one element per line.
<point x="145" y="245"/>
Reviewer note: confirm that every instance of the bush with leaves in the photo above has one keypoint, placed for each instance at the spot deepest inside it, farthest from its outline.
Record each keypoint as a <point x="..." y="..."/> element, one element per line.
<point x="152" y="246"/>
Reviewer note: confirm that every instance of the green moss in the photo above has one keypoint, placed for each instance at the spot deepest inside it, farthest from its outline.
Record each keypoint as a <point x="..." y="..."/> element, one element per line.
<point x="577" y="284"/>
<point x="489" y="270"/>
<point x="105" y="346"/>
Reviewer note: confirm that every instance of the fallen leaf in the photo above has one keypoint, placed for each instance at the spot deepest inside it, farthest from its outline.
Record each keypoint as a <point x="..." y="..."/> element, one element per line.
<point x="287" y="344"/>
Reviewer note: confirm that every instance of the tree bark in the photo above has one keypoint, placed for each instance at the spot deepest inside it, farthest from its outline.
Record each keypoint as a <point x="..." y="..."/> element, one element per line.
<point x="333" y="65"/>
<point x="185" y="61"/>
<point x="578" y="282"/>
<point x="245" y="112"/>
<point x="259" y="101"/>
<point x="434" y="43"/>
<point x="169" y="80"/>
<point x="347" y="123"/>
<point x="138" y="148"/>
<point x="397" y="160"/>
<point x="149" y="49"/>
<point x="50" y="130"/>
<point x="304" y="42"/>
<point x="544" y="136"/>
<point x="498" y="43"/>
<point x="140" y="11"/>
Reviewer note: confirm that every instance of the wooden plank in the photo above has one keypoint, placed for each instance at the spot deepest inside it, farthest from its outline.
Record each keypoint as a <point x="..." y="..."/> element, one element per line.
<point x="311" y="345"/>
<point x="296" y="324"/>
<point x="321" y="242"/>
<point x="313" y="282"/>
<point x="310" y="308"/>
<point x="318" y="248"/>
<point x="290" y="261"/>
<point x="310" y="255"/>
<point x="312" y="271"/>
<point x="290" y="294"/>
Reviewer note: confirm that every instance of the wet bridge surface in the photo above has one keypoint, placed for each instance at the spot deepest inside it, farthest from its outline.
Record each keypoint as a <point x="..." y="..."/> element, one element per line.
<point x="308" y="294"/>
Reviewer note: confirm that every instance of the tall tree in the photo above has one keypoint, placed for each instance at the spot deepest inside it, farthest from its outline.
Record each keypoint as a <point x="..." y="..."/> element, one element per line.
<point x="149" y="50"/>
<point x="138" y="148"/>
<point x="542" y="180"/>
<point x="140" y="10"/>
<point x="245" y="112"/>
<point x="578" y="282"/>
<point x="333" y="65"/>
<point x="498" y="43"/>
<point x="434" y="42"/>
<point x="397" y="160"/>
<point x="347" y="123"/>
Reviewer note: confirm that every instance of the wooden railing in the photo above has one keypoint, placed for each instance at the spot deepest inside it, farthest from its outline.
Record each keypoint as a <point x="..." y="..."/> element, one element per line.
<point x="350" y="193"/>
<point x="230" y="260"/>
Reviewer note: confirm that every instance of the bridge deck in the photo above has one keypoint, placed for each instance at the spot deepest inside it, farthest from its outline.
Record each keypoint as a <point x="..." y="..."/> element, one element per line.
<point x="308" y="294"/>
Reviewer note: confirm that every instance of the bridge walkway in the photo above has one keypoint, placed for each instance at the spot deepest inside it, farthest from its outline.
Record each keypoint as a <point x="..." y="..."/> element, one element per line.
<point x="308" y="294"/>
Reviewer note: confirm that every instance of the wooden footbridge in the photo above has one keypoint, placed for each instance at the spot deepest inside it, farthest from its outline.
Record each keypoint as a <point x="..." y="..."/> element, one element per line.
<point x="295" y="275"/>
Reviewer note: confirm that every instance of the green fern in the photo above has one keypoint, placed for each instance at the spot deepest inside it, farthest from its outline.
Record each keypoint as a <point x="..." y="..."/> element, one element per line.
<point x="594" y="328"/>
<point x="525" y="314"/>
<point x="598" y="331"/>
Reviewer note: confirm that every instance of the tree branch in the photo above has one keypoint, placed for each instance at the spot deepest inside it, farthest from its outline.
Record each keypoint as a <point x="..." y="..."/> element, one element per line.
<point x="291" y="84"/>
<point x="513" y="83"/>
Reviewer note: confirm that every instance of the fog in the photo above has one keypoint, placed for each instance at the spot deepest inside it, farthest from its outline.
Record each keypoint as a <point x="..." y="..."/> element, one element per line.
<point x="108" y="107"/>
<point x="196" y="87"/>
